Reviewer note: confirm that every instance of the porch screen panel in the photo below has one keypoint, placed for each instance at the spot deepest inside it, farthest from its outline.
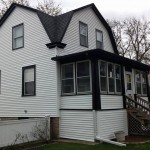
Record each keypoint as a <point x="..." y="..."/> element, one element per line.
<point x="138" y="82"/>
<point x="144" y="84"/>
<point x="103" y="76"/>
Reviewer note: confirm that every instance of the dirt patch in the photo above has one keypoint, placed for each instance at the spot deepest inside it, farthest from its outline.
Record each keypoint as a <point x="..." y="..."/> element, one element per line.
<point x="136" y="139"/>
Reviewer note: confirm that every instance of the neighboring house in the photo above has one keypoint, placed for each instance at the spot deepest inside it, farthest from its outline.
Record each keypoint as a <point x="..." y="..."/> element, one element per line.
<point x="67" y="67"/>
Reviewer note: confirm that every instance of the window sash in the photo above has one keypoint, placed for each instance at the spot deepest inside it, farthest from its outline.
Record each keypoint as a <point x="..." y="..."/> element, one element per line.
<point x="99" y="39"/>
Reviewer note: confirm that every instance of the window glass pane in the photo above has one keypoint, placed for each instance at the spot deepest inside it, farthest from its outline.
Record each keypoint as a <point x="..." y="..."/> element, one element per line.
<point x="118" y="72"/>
<point x="29" y="75"/>
<point x="29" y="88"/>
<point x="143" y="78"/>
<point x="18" y="31"/>
<point x="110" y="70"/>
<point x="83" y="69"/>
<point x="144" y="89"/>
<point x="111" y="85"/>
<point x="68" y="86"/>
<point x="99" y="44"/>
<point x="83" y="40"/>
<point x="138" y="88"/>
<point x="137" y="77"/>
<point x="83" y="29"/>
<point x="67" y="71"/>
<point x="103" y="81"/>
<point x="83" y="84"/>
<point x="103" y="68"/>
<point x="99" y="36"/>
<point x="18" y="42"/>
<point x="118" y="85"/>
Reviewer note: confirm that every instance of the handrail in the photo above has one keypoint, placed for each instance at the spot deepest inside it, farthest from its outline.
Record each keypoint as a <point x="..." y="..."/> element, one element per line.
<point x="142" y="101"/>
<point x="130" y="102"/>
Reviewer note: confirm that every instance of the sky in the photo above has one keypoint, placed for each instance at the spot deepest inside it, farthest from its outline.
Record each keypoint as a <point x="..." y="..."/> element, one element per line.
<point x="110" y="9"/>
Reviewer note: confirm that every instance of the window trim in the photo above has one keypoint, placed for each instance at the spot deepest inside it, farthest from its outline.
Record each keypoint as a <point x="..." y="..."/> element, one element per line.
<point x="73" y="93"/>
<point x="80" y="22"/>
<point x="13" y="48"/>
<point x="84" y="76"/>
<point x="97" y="30"/>
<point x="23" y="69"/>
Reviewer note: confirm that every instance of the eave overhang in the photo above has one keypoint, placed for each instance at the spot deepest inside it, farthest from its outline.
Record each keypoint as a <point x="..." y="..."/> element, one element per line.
<point x="103" y="55"/>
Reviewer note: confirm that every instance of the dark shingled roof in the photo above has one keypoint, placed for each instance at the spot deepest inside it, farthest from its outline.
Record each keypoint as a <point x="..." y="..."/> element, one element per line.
<point x="56" y="26"/>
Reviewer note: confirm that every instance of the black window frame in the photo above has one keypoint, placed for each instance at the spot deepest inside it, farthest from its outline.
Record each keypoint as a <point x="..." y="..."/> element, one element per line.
<point x="76" y="92"/>
<point x="96" y="30"/>
<point x="23" y="82"/>
<point x="13" y="28"/>
<point x="84" y="24"/>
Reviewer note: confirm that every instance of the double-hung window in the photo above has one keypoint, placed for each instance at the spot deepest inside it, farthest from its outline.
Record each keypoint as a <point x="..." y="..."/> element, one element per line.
<point x="76" y="78"/>
<point x="83" y="30"/>
<point x="110" y="77"/>
<point x="140" y="83"/>
<point x="99" y="39"/>
<point x="68" y="79"/>
<point x="18" y="36"/>
<point x="28" y="81"/>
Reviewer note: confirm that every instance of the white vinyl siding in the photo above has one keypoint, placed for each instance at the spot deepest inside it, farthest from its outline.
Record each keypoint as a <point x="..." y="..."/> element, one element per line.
<point x="109" y="122"/>
<point x="76" y="102"/>
<point x="72" y="39"/>
<point x="111" y="101"/>
<point x="12" y="104"/>
<point x="77" y="125"/>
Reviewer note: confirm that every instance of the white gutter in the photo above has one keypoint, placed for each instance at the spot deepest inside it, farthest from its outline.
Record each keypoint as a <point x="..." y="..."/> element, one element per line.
<point x="109" y="141"/>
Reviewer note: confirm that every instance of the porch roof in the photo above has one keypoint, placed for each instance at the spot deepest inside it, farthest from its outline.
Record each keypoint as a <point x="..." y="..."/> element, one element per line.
<point x="104" y="55"/>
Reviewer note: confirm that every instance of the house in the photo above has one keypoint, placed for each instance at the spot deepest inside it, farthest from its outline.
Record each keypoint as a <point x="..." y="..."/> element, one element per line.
<point x="67" y="67"/>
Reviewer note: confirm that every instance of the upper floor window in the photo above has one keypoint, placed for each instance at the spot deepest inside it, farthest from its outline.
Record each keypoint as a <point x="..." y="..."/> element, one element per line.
<point x="18" y="36"/>
<point x="99" y="39"/>
<point x="83" y="29"/>
<point x="28" y="81"/>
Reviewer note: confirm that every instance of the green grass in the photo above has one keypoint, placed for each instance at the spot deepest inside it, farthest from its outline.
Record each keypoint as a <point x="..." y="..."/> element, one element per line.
<point x="104" y="146"/>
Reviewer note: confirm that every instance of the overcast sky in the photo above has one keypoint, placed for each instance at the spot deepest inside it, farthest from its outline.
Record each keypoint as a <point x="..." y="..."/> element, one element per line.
<point x="110" y="9"/>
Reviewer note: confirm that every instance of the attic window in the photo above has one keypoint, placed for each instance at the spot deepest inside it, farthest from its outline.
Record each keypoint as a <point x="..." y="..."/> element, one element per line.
<point x="99" y="39"/>
<point x="83" y="34"/>
<point x="18" y="37"/>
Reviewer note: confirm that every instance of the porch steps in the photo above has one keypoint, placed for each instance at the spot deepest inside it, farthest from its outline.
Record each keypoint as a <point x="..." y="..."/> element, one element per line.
<point x="138" y="116"/>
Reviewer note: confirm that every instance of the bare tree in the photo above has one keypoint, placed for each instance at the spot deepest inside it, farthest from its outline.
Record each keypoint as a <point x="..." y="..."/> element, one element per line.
<point x="133" y="38"/>
<point x="5" y="4"/>
<point x="47" y="6"/>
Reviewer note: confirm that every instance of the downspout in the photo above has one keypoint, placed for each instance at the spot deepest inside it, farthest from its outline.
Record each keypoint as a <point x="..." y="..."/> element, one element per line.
<point x="110" y="142"/>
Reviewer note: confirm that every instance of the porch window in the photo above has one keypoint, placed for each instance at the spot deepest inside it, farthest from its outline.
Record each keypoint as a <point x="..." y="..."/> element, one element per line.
<point x="140" y="83"/>
<point x="118" y="78"/>
<point x="83" y="77"/>
<point x="103" y="76"/>
<point x="111" y="87"/>
<point x="110" y="77"/>
<point x="76" y="78"/>
<point x="68" y="78"/>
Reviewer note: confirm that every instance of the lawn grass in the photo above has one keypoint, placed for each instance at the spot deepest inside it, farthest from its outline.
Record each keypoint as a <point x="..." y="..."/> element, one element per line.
<point x="104" y="146"/>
